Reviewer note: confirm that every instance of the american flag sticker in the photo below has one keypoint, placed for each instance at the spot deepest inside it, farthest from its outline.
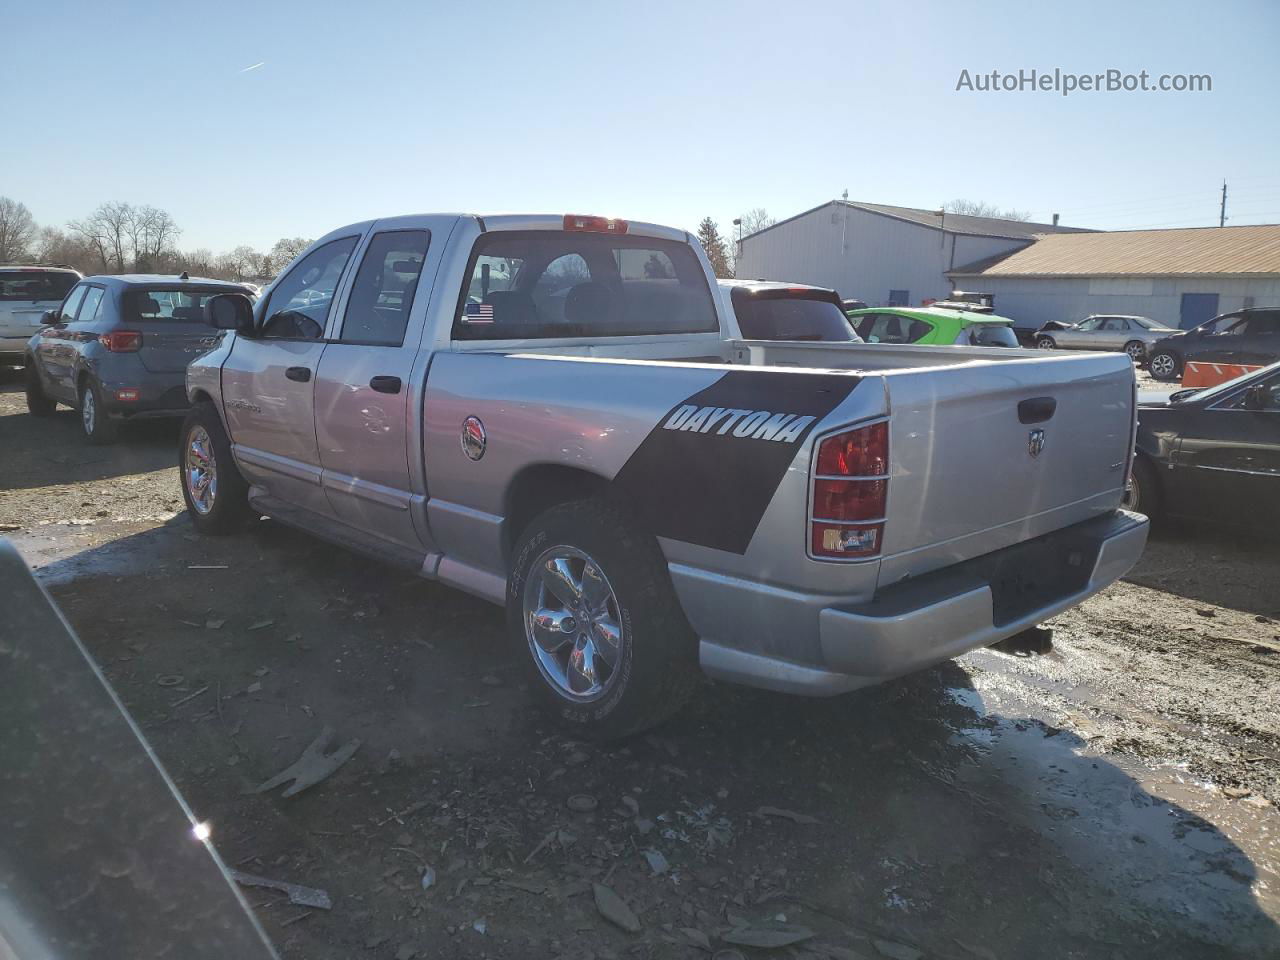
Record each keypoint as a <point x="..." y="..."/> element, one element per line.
<point x="478" y="313"/>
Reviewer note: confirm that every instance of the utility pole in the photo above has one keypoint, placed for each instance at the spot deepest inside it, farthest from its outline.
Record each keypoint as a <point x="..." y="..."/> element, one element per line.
<point x="1222" y="213"/>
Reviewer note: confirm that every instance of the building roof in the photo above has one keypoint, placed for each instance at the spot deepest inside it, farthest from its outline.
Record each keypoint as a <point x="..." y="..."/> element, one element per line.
<point x="960" y="223"/>
<point x="1186" y="252"/>
<point x="949" y="223"/>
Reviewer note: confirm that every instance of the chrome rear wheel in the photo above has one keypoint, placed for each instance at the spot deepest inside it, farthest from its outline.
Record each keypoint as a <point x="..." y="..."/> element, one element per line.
<point x="572" y="623"/>
<point x="201" y="471"/>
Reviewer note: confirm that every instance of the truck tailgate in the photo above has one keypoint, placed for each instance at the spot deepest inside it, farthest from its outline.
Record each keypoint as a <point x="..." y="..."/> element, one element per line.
<point x="986" y="455"/>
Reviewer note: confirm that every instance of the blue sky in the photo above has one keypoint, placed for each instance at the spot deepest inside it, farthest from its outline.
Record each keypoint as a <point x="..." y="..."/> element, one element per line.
<point x="656" y="111"/>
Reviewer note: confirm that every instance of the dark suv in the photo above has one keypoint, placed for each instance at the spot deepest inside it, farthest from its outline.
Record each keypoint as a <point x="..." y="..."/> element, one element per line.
<point x="118" y="348"/>
<point x="1249" y="337"/>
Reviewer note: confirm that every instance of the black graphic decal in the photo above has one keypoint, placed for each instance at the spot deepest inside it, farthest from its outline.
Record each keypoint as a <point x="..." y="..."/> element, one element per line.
<point x="708" y="470"/>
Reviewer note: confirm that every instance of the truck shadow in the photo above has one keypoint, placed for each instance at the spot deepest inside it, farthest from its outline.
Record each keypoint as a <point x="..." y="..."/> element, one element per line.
<point x="910" y="812"/>
<point x="1214" y="566"/>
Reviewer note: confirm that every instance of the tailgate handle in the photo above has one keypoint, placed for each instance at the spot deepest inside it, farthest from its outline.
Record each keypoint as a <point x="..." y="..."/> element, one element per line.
<point x="385" y="384"/>
<point x="1036" y="410"/>
<point x="300" y="374"/>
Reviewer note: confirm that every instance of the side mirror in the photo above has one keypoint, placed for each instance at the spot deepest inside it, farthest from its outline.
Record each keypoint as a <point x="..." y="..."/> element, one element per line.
<point x="50" y="317"/>
<point x="230" y="311"/>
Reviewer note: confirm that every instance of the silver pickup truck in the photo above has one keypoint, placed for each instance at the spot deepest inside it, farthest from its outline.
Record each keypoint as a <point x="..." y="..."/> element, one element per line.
<point x="560" y="415"/>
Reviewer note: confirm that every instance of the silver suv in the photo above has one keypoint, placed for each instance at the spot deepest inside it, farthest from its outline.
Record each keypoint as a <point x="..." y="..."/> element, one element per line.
<point x="26" y="292"/>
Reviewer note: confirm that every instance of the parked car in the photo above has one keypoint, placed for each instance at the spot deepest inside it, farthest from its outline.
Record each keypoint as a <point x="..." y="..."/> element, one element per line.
<point x="1249" y="337"/>
<point x="787" y="311"/>
<point x="960" y="305"/>
<point x="1213" y="454"/>
<point x="26" y="292"/>
<point x="118" y="347"/>
<point x="853" y="304"/>
<point x="1133" y="335"/>
<point x="933" y="325"/>
<point x="645" y="491"/>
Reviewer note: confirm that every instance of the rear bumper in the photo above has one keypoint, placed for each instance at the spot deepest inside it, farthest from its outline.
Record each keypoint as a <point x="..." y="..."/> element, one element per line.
<point x="167" y="398"/>
<point x="13" y="349"/>
<point x="940" y="615"/>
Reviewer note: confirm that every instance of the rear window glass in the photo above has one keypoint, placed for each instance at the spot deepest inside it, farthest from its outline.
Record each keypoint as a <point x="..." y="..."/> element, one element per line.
<point x="177" y="305"/>
<point x="791" y="316"/>
<point x="539" y="284"/>
<point x="35" y="285"/>
<point x="988" y="335"/>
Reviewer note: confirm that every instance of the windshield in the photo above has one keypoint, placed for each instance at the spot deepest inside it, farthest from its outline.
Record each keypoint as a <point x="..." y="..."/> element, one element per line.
<point x="36" y="285"/>
<point x="988" y="335"/>
<point x="791" y="315"/>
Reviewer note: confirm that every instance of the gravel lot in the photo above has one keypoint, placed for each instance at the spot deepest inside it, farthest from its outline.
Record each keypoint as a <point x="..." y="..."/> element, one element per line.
<point x="1116" y="798"/>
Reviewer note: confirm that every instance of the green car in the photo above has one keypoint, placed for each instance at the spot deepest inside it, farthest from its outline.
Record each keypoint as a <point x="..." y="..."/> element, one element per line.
<point x="932" y="325"/>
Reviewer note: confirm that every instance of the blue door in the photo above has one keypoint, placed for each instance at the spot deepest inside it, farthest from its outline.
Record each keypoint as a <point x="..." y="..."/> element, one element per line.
<point x="1197" y="308"/>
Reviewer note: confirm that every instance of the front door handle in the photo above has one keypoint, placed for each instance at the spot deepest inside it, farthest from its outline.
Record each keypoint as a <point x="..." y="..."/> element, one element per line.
<point x="385" y="384"/>
<point x="300" y="374"/>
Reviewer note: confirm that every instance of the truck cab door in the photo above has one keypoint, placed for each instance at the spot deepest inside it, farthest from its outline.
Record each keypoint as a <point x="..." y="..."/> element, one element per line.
<point x="268" y="381"/>
<point x="1228" y="460"/>
<point x="368" y="387"/>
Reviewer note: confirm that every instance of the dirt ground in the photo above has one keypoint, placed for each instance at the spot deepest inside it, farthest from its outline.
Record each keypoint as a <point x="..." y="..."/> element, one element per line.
<point x="1114" y="799"/>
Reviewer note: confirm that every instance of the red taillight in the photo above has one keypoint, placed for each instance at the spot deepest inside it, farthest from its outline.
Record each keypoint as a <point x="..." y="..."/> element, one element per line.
<point x="580" y="224"/>
<point x="858" y="453"/>
<point x="848" y="499"/>
<point x="850" y="487"/>
<point x="122" y="341"/>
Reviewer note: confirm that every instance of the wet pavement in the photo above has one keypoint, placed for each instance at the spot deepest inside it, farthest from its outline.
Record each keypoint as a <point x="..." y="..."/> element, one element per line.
<point x="1116" y="798"/>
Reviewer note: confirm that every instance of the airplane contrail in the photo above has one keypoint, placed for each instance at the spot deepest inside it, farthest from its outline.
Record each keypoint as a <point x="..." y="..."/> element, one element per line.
<point x="254" y="66"/>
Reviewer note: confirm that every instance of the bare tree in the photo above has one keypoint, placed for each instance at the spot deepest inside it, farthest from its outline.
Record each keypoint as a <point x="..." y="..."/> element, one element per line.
<point x="755" y="220"/>
<point x="56" y="246"/>
<point x="980" y="208"/>
<point x="107" y="231"/>
<point x="151" y="234"/>
<point x="244" y="262"/>
<point x="17" y="230"/>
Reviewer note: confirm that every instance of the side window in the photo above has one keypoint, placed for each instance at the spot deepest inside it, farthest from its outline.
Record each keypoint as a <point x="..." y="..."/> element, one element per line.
<point x="1265" y="324"/>
<point x="1090" y="323"/>
<point x="383" y="291"/>
<point x="1112" y="324"/>
<point x="71" y="309"/>
<point x="299" y="305"/>
<point x="918" y="330"/>
<point x="92" y="301"/>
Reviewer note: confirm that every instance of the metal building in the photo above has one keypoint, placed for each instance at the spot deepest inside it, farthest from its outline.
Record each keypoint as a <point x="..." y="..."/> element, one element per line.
<point x="1179" y="277"/>
<point x="882" y="254"/>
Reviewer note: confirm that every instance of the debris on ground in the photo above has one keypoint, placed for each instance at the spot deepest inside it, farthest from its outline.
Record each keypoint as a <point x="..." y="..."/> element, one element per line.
<point x="767" y="935"/>
<point x="428" y="878"/>
<point x="657" y="862"/>
<point x="581" y="803"/>
<point x="313" y="766"/>
<point x="613" y="909"/>
<point x="791" y="815"/>
<point x="299" y="895"/>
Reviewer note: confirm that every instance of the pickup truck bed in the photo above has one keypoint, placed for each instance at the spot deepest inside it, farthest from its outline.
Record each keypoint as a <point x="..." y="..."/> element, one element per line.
<point x="809" y="517"/>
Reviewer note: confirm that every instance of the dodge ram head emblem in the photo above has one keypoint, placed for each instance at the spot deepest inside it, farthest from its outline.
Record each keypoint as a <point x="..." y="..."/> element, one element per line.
<point x="1035" y="442"/>
<point x="473" y="438"/>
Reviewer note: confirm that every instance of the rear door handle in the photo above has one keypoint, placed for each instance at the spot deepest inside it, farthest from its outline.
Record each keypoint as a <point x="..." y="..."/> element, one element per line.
<point x="385" y="384"/>
<point x="300" y="374"/>
<point x="1036" y="410"/>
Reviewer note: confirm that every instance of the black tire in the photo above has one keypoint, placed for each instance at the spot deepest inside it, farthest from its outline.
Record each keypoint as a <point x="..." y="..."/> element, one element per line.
<point x="39" y="403"/>
<point x="656" y="669"/>
<point x="1144" y="493"/>
<point x="1046" y="343"/>
<point x="1164" y="366"/>
<point x="97" y="426"/>
<point x="229" y="502"/>
<point x="1136" y="350"/>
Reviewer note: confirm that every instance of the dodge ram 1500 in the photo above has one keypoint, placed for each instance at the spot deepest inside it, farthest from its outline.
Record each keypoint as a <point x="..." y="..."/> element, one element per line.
<point x="560" y="415"/>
